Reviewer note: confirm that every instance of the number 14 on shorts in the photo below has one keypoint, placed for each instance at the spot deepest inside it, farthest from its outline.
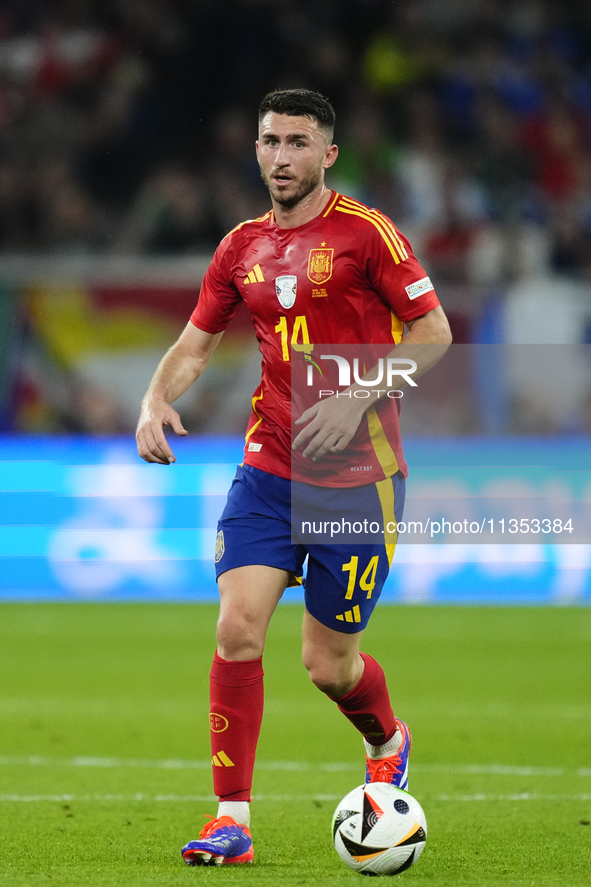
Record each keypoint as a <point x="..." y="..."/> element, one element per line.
<point x="367" y="580"/>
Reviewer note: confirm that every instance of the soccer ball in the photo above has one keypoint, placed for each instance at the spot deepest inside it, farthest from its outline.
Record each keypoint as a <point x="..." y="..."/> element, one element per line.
<point x="379" y="829"/>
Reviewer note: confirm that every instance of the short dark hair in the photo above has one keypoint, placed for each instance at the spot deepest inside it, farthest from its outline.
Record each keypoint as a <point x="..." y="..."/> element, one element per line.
<point x="300" y="103"/>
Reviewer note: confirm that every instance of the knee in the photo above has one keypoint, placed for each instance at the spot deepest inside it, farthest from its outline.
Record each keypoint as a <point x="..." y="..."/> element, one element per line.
<point x="333" y="676"/>
<point x="239" y="636"/>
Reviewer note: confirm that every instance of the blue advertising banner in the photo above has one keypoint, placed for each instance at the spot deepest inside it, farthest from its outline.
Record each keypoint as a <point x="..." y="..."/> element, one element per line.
<point x="86" y="519"/>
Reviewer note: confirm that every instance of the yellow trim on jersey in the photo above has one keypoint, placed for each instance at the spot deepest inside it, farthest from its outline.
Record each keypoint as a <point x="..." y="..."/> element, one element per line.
<point x="248" y="222"/>
<point x="388" y="224"/>
<point x="383" y="224"/>
<point x="386" y="494"/>
<point x="384" y="452"/>
<point x="397" y="328"/>
<point x="332" y="203"/>
<point x="353" y="212"/>
<point x="255" y="399"/>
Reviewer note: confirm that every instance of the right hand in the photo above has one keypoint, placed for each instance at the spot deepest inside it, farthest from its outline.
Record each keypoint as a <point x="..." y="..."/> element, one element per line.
<point x="151" y="441"/>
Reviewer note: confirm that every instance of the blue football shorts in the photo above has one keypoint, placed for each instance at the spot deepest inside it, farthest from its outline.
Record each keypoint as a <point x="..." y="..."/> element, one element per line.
<point x="342" y="581"/>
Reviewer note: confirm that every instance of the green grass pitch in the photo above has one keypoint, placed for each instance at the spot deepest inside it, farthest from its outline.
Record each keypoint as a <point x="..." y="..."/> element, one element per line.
<point x="104" y="770"/>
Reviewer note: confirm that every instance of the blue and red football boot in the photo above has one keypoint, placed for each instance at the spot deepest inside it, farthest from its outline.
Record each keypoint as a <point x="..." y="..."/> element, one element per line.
<point x="221" y="842"/>
<point x="393" y="769"/>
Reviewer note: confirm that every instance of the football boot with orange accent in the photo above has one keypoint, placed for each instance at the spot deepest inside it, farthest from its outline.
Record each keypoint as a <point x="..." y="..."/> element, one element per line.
<point x="394" y="768"/>
<point x="222" y="841"/>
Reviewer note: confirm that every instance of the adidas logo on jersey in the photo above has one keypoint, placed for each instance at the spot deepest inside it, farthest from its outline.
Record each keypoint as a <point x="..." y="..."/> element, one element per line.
<point x="255" y="276"/>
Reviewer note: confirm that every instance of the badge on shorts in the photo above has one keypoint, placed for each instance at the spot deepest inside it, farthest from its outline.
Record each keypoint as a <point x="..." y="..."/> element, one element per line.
<point x="219" y="546"/>
<point x="286" y="289"/>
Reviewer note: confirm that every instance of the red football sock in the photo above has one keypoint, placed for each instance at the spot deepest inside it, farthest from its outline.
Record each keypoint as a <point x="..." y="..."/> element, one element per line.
<point x="367" y="705"/>
<point x="236" y="712"/>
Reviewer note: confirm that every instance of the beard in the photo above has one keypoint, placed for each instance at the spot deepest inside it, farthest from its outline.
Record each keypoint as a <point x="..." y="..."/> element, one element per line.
<point x="305" y="186"/>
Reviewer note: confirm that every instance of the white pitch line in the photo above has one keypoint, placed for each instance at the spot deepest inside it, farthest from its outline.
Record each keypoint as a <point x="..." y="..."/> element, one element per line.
<point x="109" y="763"/>
<point x="210" y="799"/>
<point x="519" y="796"/>
<point x="297" y="766"/>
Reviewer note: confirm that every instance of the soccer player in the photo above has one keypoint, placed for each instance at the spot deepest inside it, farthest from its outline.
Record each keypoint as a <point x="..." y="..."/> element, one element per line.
<point x="319" y="267"/>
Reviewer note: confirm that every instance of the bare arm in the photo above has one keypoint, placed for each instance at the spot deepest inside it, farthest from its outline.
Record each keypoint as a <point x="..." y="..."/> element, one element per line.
<point x="179" y="368"/>
<point x="330" y="424"/>
<point x="431" y="329"/>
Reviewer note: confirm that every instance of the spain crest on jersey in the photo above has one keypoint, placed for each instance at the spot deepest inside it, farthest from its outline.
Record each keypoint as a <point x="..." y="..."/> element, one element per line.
<point x="286" y="288"/>
<point x="320" y="265"/>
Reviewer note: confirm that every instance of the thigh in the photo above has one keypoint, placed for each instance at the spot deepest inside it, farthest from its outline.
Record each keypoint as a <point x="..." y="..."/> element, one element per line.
<point x="252" y="592"/>
<point x="248" y="597"/>
<point x="325" y="642"/>
<point x="331" y="657"/>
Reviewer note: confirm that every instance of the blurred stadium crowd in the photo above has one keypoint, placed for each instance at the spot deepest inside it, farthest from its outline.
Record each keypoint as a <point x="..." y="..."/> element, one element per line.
<point x="127" y="128"/>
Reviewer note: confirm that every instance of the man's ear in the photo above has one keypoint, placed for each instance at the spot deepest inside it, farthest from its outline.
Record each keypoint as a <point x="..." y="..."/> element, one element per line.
<point x="331" y="155"/>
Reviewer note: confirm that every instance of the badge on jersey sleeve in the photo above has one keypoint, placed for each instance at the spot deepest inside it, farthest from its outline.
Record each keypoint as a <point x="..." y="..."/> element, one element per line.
<point x="286" y="289"/>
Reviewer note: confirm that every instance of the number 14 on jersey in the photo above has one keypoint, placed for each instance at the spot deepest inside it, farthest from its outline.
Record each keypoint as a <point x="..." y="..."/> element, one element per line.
<point x="299" y="333"/>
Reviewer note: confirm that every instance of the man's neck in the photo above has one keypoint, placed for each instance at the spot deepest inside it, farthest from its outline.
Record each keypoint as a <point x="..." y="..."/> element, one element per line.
<point x="310" y="207"/>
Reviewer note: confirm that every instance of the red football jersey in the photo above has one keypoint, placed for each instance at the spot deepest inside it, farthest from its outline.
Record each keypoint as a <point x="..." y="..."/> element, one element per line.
<point x="348" y="276"/>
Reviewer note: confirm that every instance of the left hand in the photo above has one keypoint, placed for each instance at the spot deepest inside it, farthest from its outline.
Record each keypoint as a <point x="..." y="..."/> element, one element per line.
<point x="331" y="425"/>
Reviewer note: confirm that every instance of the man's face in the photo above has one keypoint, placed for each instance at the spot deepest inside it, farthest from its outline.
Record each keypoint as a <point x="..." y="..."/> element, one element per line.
<point x="293" y="153"/>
